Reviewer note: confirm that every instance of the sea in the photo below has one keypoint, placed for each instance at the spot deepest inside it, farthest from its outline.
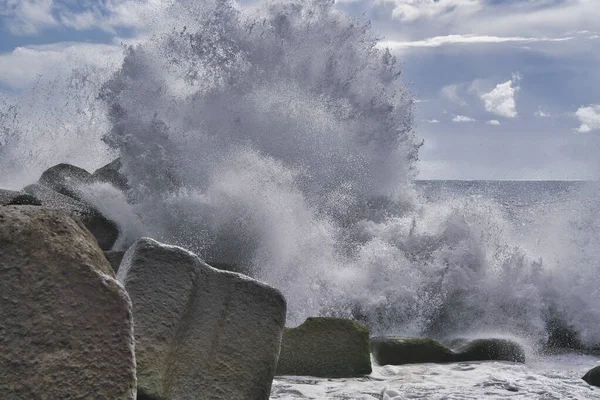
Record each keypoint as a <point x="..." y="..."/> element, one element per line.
<point x="280" y="137"/>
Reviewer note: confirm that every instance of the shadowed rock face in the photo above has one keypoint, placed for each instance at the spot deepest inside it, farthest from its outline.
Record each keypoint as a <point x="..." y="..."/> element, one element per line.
<point x="399" y="351"/>
<point x="66" y="330"/>
<point x="105" y="231"/>
<point x="200" y="332"/>
<point x="12" y="198"/>
<point x="325" y="347"/>
<point x="111" y="173"/>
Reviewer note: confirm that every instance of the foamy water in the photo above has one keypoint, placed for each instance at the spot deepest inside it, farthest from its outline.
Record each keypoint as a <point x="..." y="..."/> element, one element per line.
<point x="557" y="377"/>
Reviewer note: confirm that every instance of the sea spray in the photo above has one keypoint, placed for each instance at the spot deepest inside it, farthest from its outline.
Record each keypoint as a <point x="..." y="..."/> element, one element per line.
<point x="280" y="138"/>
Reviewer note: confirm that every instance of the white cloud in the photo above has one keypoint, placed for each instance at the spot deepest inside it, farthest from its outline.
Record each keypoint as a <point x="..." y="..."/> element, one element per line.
<point x="433" y="121"/>
<point x="589" y="118"/>
<point x="493" y="122"/>
<point x="55" y="61"/>
<point x="541" y="113"/>
<point x="501" y="100"/>
<point x="412" y="10"/>
<point x="453" y="93"/>
<point x="466" y="39"/>
<point x="27" y="17"/>
<point x="30" y="17"/>
<point x="462" y="118"/>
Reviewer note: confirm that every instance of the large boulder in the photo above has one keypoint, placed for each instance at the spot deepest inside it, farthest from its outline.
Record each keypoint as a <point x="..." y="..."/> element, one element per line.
<point x="404" y="350"/>
<point x="592" y="377"/>
<point x="325" y="347"/>
<point x="104" y="230"/>
<point x="65" y="179"/>
<point x="66" y="330"/>
<point x="491" y="349"/>
<point x="111" y="173"/>
<point x="12" y="198"/>
<point x="200" y="332"/>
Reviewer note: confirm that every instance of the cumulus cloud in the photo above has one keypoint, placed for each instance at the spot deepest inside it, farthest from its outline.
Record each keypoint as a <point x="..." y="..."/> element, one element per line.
<point x="589" y="118"/>
<point x="462" y="118"/>
<point x="501" y="100"/>
<point x="433" y="121"/>
<point x="493" y="122"/>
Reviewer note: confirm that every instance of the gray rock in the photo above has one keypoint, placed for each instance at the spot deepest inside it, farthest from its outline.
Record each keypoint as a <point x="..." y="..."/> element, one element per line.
<point x="65" y="179"/>
<point x="200" y="332"/>
<point x="325" y="347"/>
<point x="10" y="198"/>
<point x="66" y="330"/>
<point x="592" y="377"/>
<point x="114" y="258"/>
<point x="111" y="173"/>
<point x="105" y="231"/>
<point x="403" y="350"/>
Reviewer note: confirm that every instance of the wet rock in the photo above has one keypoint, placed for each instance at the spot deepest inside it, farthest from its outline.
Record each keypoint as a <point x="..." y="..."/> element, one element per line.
<point x="403" y="350"/>
<point x="592" y="377"/>
<point x="200" y="332"/>
<point x="65" y="179"/>
<point x="325" y="347"/>
<point x="114" y="259"/>
<point x="105" y="231"/>
<point x="66" y="330"/>
<point x="10" y="198"/>
<point x="491" y="349"/>
<point x="111" y="173"/>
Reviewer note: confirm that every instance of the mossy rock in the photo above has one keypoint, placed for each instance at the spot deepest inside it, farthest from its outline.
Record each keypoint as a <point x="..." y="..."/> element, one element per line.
<point x="325" y="347"/>
<point x="592" y="377"/>
<point x="492" y="349"/>
<point x="404" y="350"/>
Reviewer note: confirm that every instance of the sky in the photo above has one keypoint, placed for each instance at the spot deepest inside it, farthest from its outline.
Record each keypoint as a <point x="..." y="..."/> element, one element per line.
<point x="505" y="89"/>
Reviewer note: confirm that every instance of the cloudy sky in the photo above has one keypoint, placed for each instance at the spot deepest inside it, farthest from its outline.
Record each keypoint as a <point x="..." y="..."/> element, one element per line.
<point x="506" y="89"/>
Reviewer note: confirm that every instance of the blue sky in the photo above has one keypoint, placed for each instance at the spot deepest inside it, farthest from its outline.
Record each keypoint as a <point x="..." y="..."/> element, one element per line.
<point x="506" y="89"/>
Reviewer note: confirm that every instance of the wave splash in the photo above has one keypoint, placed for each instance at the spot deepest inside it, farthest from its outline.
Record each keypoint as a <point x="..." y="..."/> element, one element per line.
<point x="280" y="139"/>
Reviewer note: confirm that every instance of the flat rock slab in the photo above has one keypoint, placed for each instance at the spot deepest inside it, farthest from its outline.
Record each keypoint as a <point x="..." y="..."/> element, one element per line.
<point x="200" y="333"/>
<point x="403" y="350"/>
<point x="66" y="330"/>
<point x="325" y="347"/>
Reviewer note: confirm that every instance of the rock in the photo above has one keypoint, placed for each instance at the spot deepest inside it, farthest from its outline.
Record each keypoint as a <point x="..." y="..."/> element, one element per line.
<point x="10" y="198"/>
<point x="200" y="332"/>
<point x="491" y="349"/>
<point x="66" y="330"/>
<point x="65" y="179"/>
<point x="325" y="347"/>
<point x="111" y="173"/>
<point x="592" y="377"/>
<point x="402" y="350"/>
<point x="114" y="258"/>
<point x="105" y="231"/>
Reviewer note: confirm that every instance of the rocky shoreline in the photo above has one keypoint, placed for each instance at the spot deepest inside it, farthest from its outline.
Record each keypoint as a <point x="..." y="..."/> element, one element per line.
<point x="83" y="321"/>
